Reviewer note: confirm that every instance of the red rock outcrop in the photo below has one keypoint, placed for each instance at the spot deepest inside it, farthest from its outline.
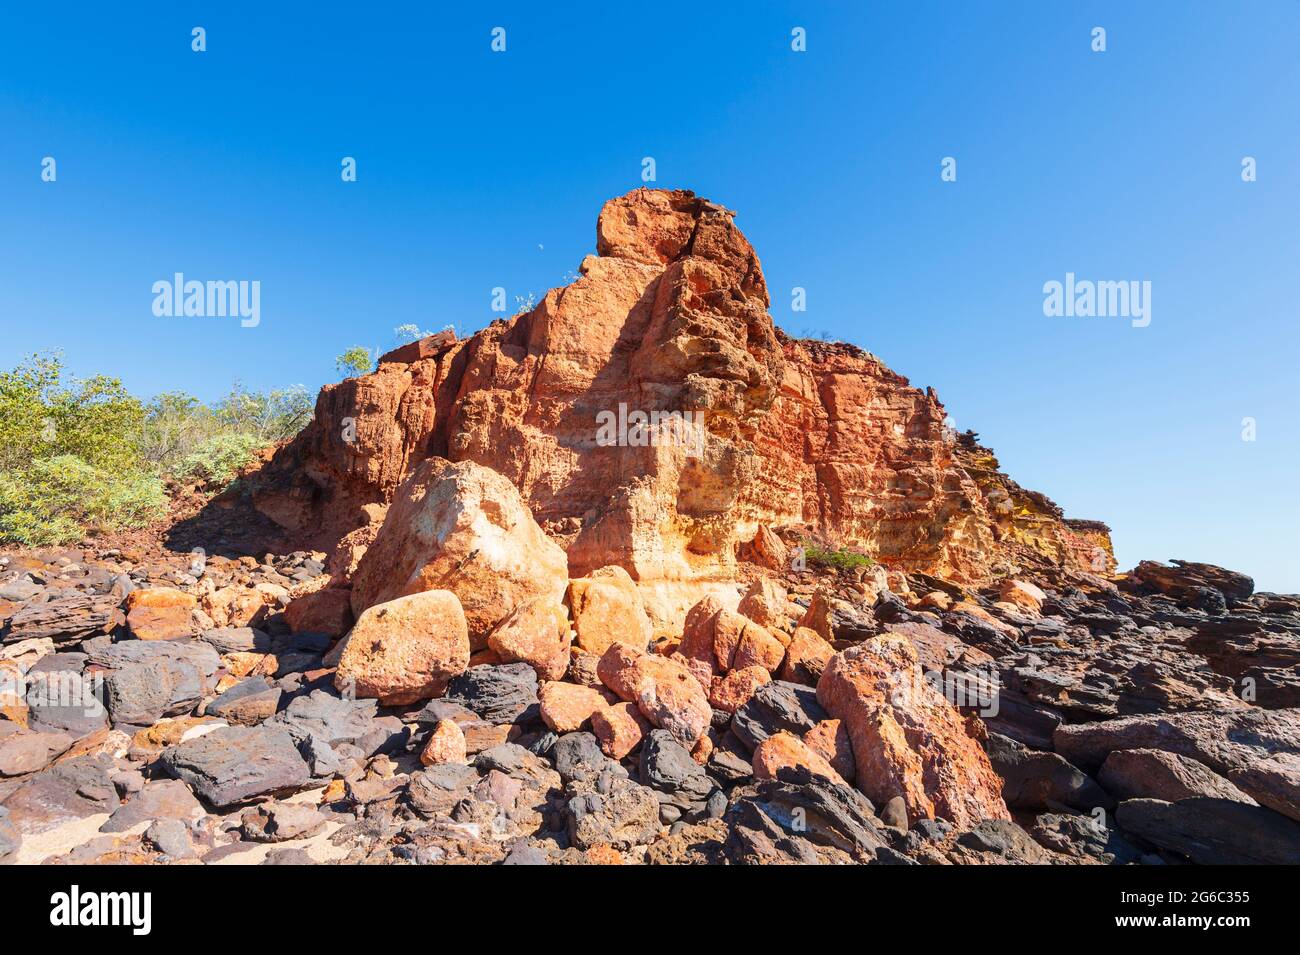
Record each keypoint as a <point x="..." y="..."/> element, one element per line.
<point x="908" y="740"/>
<point x="652" y="417"/>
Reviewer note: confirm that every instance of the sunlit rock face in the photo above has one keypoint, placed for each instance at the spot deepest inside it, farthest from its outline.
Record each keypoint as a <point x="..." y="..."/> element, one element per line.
<point x="652" y="417"/>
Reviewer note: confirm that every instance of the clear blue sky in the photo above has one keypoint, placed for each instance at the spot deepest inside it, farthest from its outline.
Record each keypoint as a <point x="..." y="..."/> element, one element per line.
<point x="479" y="170"/>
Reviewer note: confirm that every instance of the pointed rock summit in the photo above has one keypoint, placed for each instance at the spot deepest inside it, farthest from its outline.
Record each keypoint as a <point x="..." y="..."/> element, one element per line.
<point x="653" y="418"/>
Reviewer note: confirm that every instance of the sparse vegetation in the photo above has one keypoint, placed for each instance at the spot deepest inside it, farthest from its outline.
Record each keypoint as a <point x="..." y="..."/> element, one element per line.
<point x="840" y="559"/>
<point x="81" y="455"/>
<point x="357" y="360"/>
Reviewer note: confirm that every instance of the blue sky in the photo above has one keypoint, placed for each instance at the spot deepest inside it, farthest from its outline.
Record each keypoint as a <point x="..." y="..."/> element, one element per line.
<point x="478" y="170"/>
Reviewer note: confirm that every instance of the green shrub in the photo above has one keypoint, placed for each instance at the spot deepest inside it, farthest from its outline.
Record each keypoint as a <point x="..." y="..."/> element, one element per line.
<point x="55" y="500"/>
<point x="41" y="416"/>
<point x="217" y="459"/>
<point x="81" y="454"/>
<point x="840" y="559"/>
<point x="357" y="360"/>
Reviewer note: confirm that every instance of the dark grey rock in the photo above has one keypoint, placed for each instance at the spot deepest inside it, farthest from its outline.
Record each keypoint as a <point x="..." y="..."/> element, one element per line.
<point x="329" y="716"/>
<point x="237" y="640"/>
<point x="11" y="840"/>
<point x="142" y="693"/>
<point x="20" y="589"/>
<point x="620" y="813"/>
<point x="1039" y="780"/>
<point x="64" y="701"/>
<point x="498" y="694"/>
<point x="774" y="707"/>
<point x="321" y="757"/>
<point x="248" y="702"/>
<point x="667" y="766"/>
<point x="235" y="763"/>
<point x="288" y="856"/>
<point x="784" y="817"/>
<point x="203" y="657"/>
<point x="1155" y="774"/>
<point x="1085" y="837"/>
<point x="282" y="821"/>
<point x="578" y="756"/>
<point x="523" y="854"/>
<point x="1213" y="831"/>
<point x="65" y="619"/>
<point x="171" y="837"/>
<point x="436" y="710"/>
<point x="71" y="789"/>
<point x="158" y="799"/>
<point x="387" y="734"/>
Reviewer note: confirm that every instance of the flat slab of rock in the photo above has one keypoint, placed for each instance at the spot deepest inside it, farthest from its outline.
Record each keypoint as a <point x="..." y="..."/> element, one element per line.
<point x="24" y="752"/>
<point x="498" y="694"/>
<point x="1214" y="831"/>
<point x="69" y="790"/>
<point x="159" y="799"/>
<point x="1039" y="780"/>
<point x="248" y="702"/>
<point x="330" y="717"/>
<point x="1256" y="750"/>
<point x="236" y="763"/>
<point x="1155" y="774"/>
<point x="65" y="619"/>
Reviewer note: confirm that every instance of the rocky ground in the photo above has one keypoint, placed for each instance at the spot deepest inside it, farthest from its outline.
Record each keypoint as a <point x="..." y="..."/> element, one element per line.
<point x="490" y="632"/>
<point x="159" y="709"/>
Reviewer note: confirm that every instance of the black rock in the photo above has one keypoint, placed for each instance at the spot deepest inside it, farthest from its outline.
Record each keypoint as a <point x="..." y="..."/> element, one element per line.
<point x="1214" y="831"/>
<point x="498" y="694"/>
<point x="666" y="765"/>
<point x="332" y="718"/>
<point x="777" y="706"/>
<point x="236" y="763"/>
<point x="1041" y="780"/>
<point x="578" y="756"/>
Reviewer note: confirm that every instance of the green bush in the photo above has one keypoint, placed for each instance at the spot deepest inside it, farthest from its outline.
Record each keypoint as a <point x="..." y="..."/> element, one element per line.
<point x="217" y="459"/>
<point x="840" y="559"/>
<point x="83" y="454"/>
<point x="357" y="360"/>
<point x="56" y="500"/>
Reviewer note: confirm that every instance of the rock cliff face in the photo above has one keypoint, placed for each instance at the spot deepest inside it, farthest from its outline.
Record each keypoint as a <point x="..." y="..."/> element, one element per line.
<point x="653" y="417"/>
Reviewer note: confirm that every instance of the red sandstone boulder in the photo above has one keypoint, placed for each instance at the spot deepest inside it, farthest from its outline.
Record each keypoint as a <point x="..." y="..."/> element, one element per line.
<point x="446" y="744"/>
<point x="537" y="633"/>
<point x="461" y="528"/>
<point x="665" y="691"/>
<point x="568" y="707"/>
<point x="607" y="608"/>
<point x="619" y="729"/>
<point x="806" y="657"/>
<point x="1022" y="593"/>
<point x="907" y="740"/>
<point x="160" y="613"/>
<point x="327" y="611"/>
<point x="729" y="693"/>
<point x="405" y="650"/>
<point x="698" y="632"/>
<point x="758" y="648"/>
<point x="765" y="603"/>
<point x="784" y="751"/>
<point x="766" y="550"/>
<point x="830" y="740"/>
